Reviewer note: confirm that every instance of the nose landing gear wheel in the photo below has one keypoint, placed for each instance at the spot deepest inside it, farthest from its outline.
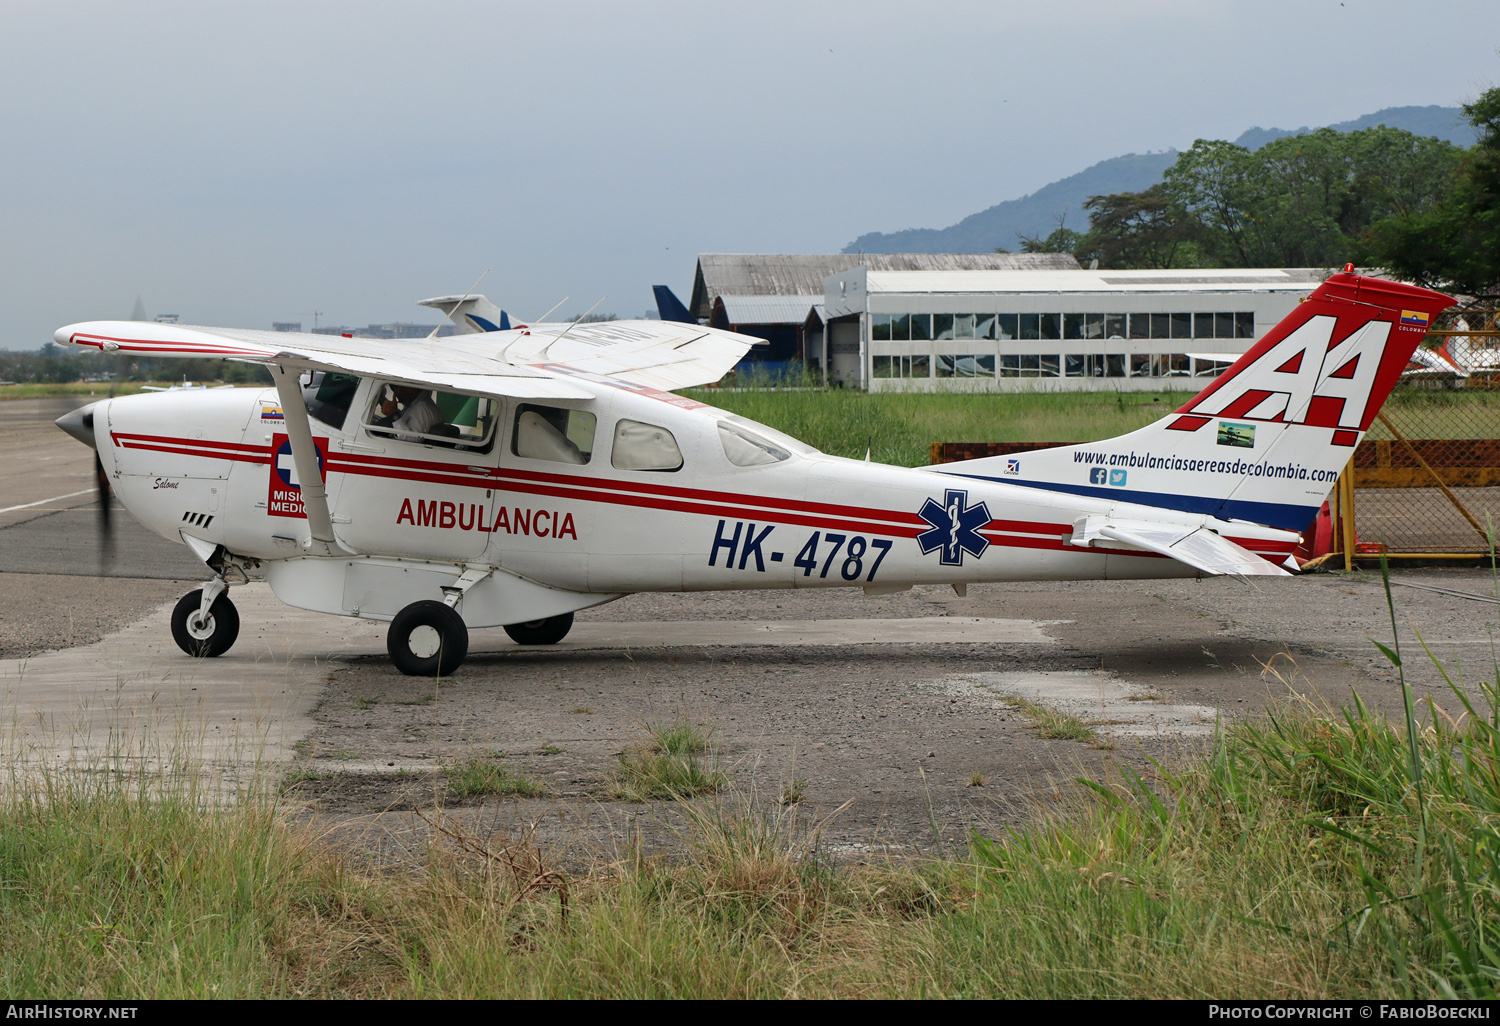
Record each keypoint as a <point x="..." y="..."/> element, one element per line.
<point x="211" y="636"/>
<point x="427" y="639"/>
<point x="548" y="631"/>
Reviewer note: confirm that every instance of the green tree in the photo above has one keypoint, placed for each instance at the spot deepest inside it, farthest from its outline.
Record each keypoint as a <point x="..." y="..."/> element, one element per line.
<point x="1307" y="200"/>
<point x="1453" y="241"/>
<point x="1210" y="183"/>
<point x="1062" y="239"/>
<point x="1138" y="229"/>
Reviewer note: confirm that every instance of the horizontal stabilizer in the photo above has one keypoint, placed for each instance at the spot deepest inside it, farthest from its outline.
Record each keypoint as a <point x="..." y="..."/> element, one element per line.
<point x="1197" y="547"/>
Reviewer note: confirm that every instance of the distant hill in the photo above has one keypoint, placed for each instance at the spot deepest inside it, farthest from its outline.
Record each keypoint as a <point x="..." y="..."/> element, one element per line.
<point x="1444" y="122"/>
<point x="1003" y="224"/>
<point x="1035" y="214"/>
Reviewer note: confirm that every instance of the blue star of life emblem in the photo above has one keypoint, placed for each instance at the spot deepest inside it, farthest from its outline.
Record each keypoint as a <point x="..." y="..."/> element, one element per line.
<point x="955" y="527"/>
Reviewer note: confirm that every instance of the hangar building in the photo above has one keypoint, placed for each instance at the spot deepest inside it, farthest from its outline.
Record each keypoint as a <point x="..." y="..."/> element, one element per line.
<point x="774" y="296"/>
<point x="1007" y="330"/>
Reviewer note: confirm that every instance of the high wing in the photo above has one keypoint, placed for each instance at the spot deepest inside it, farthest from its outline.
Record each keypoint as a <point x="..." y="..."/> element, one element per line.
<point x="521" y="363"/>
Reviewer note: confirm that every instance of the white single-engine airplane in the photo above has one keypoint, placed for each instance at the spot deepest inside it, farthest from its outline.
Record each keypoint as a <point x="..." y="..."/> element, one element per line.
<point x="509" y="478"/>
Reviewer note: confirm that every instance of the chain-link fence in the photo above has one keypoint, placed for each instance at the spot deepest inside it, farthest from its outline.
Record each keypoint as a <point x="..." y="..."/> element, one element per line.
<point x="1427" y="476"/>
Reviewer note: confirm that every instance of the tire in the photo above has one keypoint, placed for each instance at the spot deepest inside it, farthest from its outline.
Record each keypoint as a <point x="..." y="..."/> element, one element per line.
<point x="213" y="638"/>
<point x="548" y="631"/>
<point x="427" y="639"/>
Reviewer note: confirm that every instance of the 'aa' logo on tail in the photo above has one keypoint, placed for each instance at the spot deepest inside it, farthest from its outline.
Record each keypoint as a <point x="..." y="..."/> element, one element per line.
<point x="1301" y="380"/>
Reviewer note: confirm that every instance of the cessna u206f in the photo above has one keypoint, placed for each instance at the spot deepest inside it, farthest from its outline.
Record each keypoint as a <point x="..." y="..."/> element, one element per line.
<point x="510" y="478"/>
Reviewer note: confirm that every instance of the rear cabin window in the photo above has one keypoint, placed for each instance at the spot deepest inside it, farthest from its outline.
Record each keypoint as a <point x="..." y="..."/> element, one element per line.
<point x="328" y="396"/>
<point x="410" y="413"/>
<point x="553" y="433"/>
<point x="747" y="449"/>
<point x="640" y="446"/>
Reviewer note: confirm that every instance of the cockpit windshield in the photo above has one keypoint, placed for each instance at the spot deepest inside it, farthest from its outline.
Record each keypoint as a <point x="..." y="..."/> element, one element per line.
<point x="329" y="396"/>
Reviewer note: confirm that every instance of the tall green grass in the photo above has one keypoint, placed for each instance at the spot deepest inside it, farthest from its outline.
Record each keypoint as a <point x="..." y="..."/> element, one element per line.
<point x="900" y="427"/>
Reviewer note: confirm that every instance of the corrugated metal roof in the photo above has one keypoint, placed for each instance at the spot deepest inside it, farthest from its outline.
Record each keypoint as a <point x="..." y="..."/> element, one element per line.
<point x="768" y="309"/>
<point x="801" y="274"/>
<point x="1295" y="279"/>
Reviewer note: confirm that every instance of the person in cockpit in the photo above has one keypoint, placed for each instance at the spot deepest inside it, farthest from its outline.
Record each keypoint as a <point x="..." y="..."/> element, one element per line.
<point x="410" y="412"/>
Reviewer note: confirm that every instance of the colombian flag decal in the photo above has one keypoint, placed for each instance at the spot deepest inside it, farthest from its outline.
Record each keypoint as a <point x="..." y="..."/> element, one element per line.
<point x="1414" y="318"/>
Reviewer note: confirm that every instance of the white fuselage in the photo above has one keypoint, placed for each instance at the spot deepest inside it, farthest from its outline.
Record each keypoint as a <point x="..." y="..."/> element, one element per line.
<point x="213" y="467"/>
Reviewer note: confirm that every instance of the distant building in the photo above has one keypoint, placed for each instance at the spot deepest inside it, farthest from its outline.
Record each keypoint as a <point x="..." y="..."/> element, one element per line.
<point x="165" y="318"/>
<point x="1008" y="330"/>
<point x="286" y="326"/>
<point x="773" y="296"/>
<point x="396" y="329"/>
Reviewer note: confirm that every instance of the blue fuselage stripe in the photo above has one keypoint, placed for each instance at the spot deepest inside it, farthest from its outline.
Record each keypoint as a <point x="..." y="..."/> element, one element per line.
<point x="1285" y="515"/>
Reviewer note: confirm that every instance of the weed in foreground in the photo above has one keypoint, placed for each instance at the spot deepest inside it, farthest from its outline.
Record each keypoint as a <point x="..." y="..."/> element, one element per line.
<point x="482" y="777"/>
<point x="676" y="760"/>
<point x="1059" y="726"/>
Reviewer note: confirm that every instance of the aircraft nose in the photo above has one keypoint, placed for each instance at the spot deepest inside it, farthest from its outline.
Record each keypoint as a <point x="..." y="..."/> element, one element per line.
<point x="80" y="424"/>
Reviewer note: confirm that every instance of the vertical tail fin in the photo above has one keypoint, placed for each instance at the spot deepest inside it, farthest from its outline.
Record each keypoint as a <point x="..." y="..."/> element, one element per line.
<point x="1266" y="441"/>
<point x="669" y="307"/>
<point x="470" y="314"/>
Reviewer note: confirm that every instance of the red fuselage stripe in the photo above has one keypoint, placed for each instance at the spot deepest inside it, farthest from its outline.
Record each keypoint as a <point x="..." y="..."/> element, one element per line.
<point x="824" y="516"/>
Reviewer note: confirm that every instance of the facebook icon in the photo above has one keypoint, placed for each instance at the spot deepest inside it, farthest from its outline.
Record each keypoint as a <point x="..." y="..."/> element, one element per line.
<point x="1098" y="475"/>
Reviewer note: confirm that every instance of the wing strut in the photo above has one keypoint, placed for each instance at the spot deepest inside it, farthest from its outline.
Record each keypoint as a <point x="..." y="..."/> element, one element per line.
<point x="304" y="452"/>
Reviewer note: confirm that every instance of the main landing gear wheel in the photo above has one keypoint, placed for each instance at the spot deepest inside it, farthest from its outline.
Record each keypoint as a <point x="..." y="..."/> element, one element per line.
<point x="211" y="636"/>
<point x="427" y="639"/>
<point x="548" y="631"/>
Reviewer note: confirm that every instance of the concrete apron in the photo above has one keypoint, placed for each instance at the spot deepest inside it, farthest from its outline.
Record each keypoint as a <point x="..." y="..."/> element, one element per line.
<point x="134" y="700"/>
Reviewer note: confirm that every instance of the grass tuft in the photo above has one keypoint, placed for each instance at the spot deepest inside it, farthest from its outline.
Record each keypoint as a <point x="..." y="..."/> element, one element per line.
<point x="1058" y="726"/>
<point x="481" y="777"/>
<point x="675" y="760"/>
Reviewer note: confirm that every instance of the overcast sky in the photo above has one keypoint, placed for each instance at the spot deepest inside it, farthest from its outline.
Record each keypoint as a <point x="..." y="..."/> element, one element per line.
<point x="239" y="163"/>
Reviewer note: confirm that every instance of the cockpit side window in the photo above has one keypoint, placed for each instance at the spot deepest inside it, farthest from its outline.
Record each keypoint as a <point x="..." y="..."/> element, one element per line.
<point x="329" y="396"/>
<point x="745" y="448"/>
<point x="640" y="446"/>
<point x="411" y="413"/>
<point x="553" y="433"/>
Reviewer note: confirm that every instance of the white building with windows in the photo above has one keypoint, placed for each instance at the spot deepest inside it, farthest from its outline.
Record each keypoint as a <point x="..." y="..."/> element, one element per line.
<point x="1002" y="330"/>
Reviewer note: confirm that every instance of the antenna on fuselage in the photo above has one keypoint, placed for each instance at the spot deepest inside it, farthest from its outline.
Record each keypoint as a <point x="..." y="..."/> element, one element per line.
<point x="461" y="302"/>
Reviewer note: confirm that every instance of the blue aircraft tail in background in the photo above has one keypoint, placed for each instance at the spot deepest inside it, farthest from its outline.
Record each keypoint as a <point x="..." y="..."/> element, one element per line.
<point x="670" y="308"/>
